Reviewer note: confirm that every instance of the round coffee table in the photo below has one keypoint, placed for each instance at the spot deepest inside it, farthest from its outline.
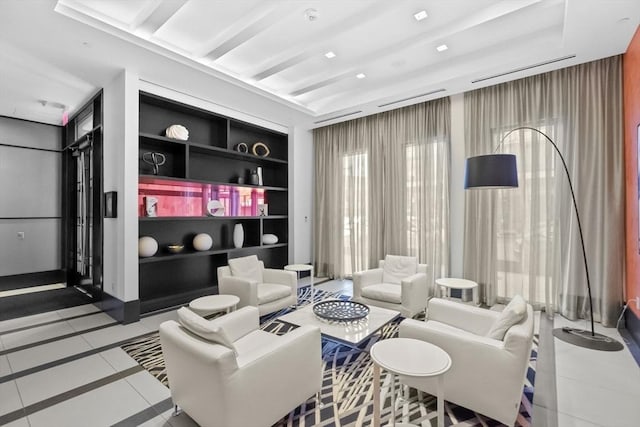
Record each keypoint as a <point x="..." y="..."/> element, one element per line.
<point x="205" y="306"/>
<point x="412" y="358"/>
<point x="298" y="268"/>
<point x="448" y="283"/>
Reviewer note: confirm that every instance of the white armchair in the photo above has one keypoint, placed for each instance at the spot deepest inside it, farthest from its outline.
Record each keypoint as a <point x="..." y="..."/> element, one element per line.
<point x="266" y="288"/>
<point x="254" y="379"/>
<point x="487" y="374"/>
<point x="400" y="283"/>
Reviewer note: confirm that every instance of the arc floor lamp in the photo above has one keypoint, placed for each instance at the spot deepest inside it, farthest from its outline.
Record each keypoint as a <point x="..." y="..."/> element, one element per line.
<point x="496" y="171"/>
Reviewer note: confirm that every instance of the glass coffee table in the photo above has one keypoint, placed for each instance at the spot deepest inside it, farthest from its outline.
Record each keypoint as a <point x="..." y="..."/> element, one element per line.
<point x="350" y="333"/>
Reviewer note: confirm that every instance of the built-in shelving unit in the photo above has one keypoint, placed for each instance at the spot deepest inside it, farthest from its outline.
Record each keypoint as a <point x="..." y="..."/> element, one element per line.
<point x="206" y="166"/>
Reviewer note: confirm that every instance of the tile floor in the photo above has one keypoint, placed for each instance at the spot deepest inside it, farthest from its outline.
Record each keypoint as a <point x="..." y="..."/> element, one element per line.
<point x="58" y="369"/>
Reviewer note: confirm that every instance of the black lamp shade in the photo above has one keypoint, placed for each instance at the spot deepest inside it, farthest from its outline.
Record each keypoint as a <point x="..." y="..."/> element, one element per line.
<point x="491" y="171"/>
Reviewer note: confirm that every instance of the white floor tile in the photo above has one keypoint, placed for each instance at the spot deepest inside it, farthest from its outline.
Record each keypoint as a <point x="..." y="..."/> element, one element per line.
<point x="114" y="334"/>
<point x="182" y="420"/>
<point x="153" y="322"/>
<point x="101" y="407"/>
<point x="10" y="400"/>
<point x="152" y="390"/>
<point x="32" y="335"/>
<point x="59" y="379"/>
<point x="118" y="359"/>
<point x="20" y="322"/>
<point x="31" y="357"/>
<point x="78" y="310"/>
<point x="5" y="368"/>
<point x="91" y="321"/>
<point x="596" y="404"/>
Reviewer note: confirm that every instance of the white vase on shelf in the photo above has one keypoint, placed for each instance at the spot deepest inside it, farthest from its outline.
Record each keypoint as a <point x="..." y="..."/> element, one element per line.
<point x="238" y="235"/>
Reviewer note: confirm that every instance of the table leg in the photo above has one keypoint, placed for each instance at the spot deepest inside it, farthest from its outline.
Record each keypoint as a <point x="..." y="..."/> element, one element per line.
<point x="376" y="395"/>
<point x="440" y="401"/>
<point x="393" y="399"/>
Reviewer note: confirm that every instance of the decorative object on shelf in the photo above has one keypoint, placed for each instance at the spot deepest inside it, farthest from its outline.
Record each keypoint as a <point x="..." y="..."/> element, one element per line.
<point x="215" y="208"/>
<point x="177" y="132"/>
<point x="150" y="206"/>
<point x="175" y="248"/>
<point x="269" y="239"/>
<point x="263" y="209"/>
<point x="242" y="148"/>
<point x="240" y="180"/>
<point x="259" y="172"/>
<point x="154" y="159"/>
<point x="111" y="204"/>
<point x="254" y="178"/>
<point x="341" y="311"/>
<point x="202" y="242"/>
<point x="147" y="246"/>
<point x="260" y="149"/>
<point x="238" y="235"/>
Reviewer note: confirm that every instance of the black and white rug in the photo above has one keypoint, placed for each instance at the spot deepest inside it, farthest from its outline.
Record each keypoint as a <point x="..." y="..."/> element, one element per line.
<point x="347" y="387"/>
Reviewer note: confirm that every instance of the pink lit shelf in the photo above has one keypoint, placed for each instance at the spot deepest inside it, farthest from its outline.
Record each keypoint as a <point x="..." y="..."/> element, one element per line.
<point x="177" y="198"/>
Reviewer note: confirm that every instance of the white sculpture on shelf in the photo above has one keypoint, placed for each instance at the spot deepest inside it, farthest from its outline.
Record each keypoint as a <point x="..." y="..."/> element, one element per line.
<point x="202" y="242"/>
<point x="269" y="239"/>
<point x="147" y="246"/>
<point x="177" y="132"/>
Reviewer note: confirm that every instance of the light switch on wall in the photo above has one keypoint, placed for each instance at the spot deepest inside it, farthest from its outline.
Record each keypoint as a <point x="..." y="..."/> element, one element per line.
<point x="20" y="235"/>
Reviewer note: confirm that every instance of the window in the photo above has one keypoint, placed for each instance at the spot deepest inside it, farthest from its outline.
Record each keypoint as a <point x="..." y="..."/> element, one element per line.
<point x="355" y="212"/>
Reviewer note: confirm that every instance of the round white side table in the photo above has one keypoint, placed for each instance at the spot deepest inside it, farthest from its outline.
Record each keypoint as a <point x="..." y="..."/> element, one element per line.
<point x="448" y="283"/>
<point x="298" y="268"/>
<point x="205" y="306"/>
<point x="412" y="358"/>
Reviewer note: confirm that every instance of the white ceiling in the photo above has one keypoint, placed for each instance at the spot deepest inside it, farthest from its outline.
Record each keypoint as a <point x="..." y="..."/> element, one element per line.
<point x="271" y="50"/>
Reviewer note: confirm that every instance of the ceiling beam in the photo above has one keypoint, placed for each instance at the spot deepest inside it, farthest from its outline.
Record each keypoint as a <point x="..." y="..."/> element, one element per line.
<point x="155" y="16"/>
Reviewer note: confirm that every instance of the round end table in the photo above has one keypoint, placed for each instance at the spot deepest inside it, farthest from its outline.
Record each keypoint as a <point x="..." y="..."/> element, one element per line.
<point x="298" y="268"/>
<point x="411" y="358"/>
<point x="448" y="283"/>
<point x="205" y="306"/>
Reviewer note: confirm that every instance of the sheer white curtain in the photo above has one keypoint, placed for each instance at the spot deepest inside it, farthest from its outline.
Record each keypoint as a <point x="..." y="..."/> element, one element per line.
<point x="382" y="188"/>
<point x="525" y="241"/>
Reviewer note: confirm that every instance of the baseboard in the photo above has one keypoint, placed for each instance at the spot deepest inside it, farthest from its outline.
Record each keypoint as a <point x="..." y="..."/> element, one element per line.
<point x="123" y="311"/>
<point x="633" y="325"/>
<point x="19" y="281"/>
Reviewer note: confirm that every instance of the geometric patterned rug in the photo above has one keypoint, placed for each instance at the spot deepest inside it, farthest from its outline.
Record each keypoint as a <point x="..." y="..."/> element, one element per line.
<point x="347" y="387"/>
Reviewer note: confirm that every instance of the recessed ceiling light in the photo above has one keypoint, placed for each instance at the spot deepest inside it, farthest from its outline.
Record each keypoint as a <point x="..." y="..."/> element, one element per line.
<point x="420" y="15"/>
<point x="442" y="48"/>
<point x="360" y="75"/>
<point x="330" y="54"/>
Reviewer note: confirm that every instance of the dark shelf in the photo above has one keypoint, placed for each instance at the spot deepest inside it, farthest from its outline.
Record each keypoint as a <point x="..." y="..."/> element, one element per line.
<point x="221" y="152"/>
<point x="205" y="218"/>
<point x="179" y="298"/>
<point x="189" y="254"/>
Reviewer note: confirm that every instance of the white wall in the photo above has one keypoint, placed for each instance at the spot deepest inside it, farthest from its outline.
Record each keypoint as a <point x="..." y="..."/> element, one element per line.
<point x="456" y="185"/>
<point x="30" y="192"/>
<point x="301" y="192"/>
<point x="121" y="175"/>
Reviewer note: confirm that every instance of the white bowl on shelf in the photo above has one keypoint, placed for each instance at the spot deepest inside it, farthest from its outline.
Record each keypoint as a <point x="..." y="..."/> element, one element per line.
<point x="269" y="239"/>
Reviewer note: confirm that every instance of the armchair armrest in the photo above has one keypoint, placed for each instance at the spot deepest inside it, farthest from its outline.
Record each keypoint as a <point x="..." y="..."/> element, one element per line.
<point x="283" y="277"/>
<point x="239" y="323"/>
<point x="246" y="290"/>
<point x="466" y="317"/>
<point x="289" y="365"/>
<point x="414" y="291"/>
<point x="362" y="279"/>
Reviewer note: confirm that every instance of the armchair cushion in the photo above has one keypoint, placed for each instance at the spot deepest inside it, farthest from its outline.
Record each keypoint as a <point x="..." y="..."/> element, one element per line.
<point x="383" y="292"/>
<point x="513" y="313"/>
<point x="203" y="328"/>
<point x="248" y="267"/>
<point x="396" y="268"/>
<point x="268" y="292"/>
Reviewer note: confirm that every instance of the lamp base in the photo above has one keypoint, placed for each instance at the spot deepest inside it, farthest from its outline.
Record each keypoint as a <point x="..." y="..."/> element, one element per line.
<point x="583" y="338"/>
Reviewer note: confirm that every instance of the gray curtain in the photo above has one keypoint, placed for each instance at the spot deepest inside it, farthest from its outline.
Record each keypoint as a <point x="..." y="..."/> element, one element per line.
<point x="382" y="188"/>
<point x="526" y="240"/>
